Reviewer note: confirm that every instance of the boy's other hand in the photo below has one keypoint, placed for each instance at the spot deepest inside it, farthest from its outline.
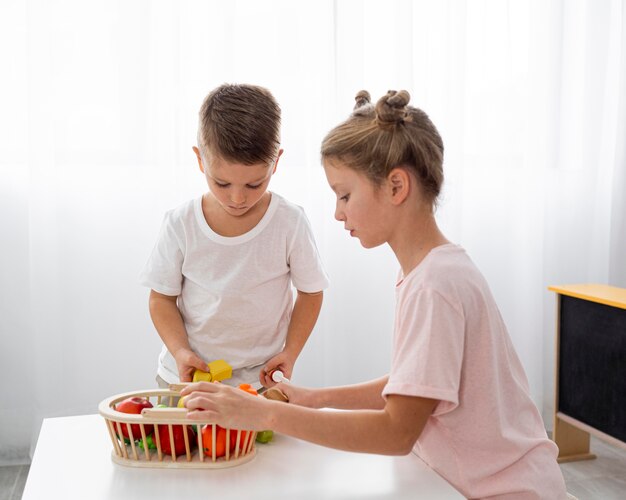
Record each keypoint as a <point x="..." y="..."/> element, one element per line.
<point x="187" y="362"/>
<point x="283" y="362"/>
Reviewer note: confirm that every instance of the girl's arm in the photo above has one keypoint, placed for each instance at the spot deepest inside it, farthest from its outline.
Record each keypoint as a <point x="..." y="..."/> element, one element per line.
<point x="303" y="318"/>
<point x="367" y="395"/>
<point x="171" y="328"/>
<point x="390" y="431"/>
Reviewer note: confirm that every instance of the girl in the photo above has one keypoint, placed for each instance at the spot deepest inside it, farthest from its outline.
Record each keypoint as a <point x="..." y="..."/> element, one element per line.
<point x="456" y="394"/>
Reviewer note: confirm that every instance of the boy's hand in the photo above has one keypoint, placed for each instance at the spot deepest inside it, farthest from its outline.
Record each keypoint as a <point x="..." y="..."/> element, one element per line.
<point x="283" y="362"/>
<point x="187" y="362"/>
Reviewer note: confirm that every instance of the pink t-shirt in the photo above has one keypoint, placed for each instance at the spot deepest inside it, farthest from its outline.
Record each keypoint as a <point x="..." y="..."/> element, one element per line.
<point x="485" y="436"/>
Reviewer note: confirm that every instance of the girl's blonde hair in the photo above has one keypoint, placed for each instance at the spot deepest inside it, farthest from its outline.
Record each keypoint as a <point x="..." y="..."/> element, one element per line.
<point x="376" y="139"/>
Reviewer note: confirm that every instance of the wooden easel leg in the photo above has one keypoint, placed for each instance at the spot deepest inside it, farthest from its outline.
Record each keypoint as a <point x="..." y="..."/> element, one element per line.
<point x="573" y="443"/>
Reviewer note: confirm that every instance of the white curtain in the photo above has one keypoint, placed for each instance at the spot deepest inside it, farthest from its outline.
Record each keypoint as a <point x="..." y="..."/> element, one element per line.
<point x="98" y="107"/>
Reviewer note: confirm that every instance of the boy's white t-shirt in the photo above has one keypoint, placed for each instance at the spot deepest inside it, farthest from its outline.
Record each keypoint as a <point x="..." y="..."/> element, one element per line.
<point x="485" y="436"/>
<point x="234" y="293"/>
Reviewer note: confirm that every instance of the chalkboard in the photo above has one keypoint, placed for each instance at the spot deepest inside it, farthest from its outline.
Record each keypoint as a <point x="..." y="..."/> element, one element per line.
<point x="592" y="365"/>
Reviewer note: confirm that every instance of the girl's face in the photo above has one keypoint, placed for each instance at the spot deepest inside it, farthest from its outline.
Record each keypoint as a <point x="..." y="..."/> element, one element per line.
<point x="236" y="187"/>
<point x="360" y="204"/>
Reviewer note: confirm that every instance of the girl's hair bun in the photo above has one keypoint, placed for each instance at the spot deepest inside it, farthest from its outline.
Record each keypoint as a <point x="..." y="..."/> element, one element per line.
<point x="363" y="105"/>
<point x="391" y="108"/>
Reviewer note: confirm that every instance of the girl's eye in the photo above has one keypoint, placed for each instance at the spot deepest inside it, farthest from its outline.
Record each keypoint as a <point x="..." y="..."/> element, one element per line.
<point x="221" y="185"/>
<point x="253" y="187"/>
<point x="345" y="197"/>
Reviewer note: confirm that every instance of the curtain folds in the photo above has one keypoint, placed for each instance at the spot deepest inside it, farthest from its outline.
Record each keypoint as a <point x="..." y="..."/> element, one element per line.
<point x="99" y="105"/>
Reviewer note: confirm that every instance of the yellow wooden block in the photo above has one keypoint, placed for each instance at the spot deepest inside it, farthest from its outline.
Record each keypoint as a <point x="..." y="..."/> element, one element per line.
<point x="200" y="376"/>
<point x="220" y="370"/>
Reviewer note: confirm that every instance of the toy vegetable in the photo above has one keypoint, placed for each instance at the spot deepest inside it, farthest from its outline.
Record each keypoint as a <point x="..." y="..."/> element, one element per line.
<point x="218" y="370"/>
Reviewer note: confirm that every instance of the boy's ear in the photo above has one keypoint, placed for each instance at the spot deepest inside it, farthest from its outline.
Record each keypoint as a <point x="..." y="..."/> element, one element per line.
<point x="280" y="152"/>
<point x="399" y="185"/>
<point x="199" y="156"/>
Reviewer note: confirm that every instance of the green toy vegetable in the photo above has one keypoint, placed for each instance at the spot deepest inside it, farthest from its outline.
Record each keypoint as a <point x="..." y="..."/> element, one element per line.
<point x="149" y="441"/>
<point x="264" y="436"/>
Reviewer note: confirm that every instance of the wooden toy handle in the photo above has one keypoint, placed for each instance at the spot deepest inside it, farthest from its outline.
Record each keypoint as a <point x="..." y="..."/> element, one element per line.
<point x="276" y="395"/>
<point x="165" y="413"/>
<point x="278" y="376"/>
<point x="178" y="387"/>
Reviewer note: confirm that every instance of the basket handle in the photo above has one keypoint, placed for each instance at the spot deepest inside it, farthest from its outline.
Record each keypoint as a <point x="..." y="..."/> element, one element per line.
<point x="164" y="413"/>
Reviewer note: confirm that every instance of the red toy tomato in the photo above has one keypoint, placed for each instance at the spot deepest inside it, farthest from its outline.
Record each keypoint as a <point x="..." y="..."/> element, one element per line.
<point x="133" y="405"/>
<point x="242" y="438"/>
<point x="179" y="439"/>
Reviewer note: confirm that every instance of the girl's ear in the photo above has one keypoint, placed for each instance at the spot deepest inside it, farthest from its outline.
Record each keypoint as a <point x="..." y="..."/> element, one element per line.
<point x="399" y="185"/>
<point x="199" y="156"/>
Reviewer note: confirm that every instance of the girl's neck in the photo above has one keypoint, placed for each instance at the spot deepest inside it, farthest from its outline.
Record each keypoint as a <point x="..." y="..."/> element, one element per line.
<point x="414" y="238"/>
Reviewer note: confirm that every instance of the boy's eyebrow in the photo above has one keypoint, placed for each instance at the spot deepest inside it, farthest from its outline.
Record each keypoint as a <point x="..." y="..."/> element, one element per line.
<point x="222" y="181"/>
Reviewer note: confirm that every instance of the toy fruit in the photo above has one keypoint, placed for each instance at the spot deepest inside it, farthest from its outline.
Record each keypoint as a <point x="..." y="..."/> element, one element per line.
<point x="133" y="405"/>
<point x="149" y="442"/>
<point x="181" y="402"/>
<point x="218" y="370"/>
<point x="200" y="376"/>
<point x="249" y="389"/>
<point x="264" y="436"/>
<point x="220" y="440"/>
<point x="242" y="438"/>
<point x="179" y="438"/>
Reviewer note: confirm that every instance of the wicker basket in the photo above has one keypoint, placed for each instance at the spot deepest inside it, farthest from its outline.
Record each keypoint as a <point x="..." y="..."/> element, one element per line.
<point x="128" y="452"/>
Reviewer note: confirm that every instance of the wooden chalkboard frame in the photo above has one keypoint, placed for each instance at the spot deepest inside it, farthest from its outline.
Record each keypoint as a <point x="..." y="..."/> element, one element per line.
<point x="572" y="435"/>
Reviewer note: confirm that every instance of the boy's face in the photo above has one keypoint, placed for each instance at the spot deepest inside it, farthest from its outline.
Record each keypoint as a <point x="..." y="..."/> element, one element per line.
<point x="236" y="187"/>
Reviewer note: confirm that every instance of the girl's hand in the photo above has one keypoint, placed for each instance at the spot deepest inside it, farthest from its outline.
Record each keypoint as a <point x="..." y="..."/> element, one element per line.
<point x="187" y="362"/>
<point x="302" y="396"/>
<point x="226" y="406"/>
<point x="283" y="362"/>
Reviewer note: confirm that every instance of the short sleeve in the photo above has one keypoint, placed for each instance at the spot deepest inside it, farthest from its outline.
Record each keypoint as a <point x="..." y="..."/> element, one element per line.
<point x="427" y="354"/>
<point x="305" y="265"/>
<point x="163" y="270"/>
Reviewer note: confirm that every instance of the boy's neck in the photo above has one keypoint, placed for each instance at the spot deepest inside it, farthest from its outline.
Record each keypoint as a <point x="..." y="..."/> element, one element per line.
<point x="229" y="225"/>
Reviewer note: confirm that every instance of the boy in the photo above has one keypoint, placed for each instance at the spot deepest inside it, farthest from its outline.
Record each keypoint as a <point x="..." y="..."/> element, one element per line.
<point x="221" y="271"/>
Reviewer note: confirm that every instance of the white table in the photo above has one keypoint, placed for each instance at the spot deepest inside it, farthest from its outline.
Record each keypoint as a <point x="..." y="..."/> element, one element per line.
<point x="73" y="461"/>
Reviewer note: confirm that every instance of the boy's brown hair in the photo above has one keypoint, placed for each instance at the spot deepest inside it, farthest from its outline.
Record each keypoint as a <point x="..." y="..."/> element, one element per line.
<point x="240" y="123"/>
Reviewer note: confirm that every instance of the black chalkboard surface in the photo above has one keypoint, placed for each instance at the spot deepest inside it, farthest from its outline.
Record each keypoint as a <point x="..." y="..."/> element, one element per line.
<point x="592" y="365"/>
<point x="590" y="395"/>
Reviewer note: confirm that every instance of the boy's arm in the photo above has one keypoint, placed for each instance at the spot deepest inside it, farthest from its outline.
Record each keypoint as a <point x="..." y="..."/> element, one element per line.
<point x="171" y="328"/>
<point x="303" y="318"/>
